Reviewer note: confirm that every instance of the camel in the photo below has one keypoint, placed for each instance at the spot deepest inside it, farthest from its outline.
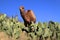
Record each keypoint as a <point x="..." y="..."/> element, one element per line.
<point x="28" y="16"/>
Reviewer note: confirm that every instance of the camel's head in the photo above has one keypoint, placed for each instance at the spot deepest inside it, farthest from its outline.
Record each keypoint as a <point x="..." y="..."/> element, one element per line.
<point x="21" y="8"/>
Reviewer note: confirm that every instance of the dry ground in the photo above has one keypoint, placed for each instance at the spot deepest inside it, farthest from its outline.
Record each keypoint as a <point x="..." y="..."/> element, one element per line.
<point x="4" y="36"/>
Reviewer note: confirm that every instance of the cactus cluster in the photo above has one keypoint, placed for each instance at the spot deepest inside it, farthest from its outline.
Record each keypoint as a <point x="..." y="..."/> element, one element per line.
<point x="38" y="31"/>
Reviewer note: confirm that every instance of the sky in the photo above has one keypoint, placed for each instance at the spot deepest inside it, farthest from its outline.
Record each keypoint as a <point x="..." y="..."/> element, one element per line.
<point x="44" y="10"/>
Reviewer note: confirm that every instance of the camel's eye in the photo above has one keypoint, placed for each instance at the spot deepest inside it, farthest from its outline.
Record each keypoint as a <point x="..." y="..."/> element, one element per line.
<point x="23" y="8"/>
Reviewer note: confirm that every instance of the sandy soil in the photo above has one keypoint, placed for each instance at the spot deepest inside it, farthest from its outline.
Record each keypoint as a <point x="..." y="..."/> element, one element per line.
<point x="4" y="36"/>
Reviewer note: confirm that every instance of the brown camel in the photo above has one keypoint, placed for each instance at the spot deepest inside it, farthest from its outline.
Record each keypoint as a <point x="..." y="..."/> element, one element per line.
<point x="28" y="16"/>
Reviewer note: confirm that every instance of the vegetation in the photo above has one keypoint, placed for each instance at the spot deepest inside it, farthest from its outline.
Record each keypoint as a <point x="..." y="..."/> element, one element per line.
<point x="39" y="31"/>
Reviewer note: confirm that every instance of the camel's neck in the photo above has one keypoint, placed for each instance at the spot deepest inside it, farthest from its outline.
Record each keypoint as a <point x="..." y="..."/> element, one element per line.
<point x="22" y="11"/>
